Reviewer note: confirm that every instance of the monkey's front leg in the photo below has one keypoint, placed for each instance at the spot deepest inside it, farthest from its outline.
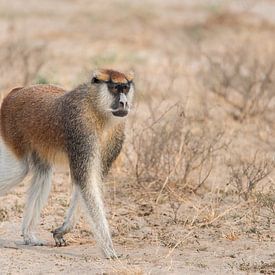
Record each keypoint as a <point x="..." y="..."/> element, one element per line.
<point x="110" y="149"/>
<point x="91" y="195"/>
<point x="86" y="174"/>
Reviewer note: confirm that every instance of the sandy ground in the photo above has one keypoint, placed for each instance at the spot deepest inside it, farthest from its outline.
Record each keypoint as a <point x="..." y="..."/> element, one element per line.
<point x="219" y="248"/>
<point x="171" y="230"/>
<point x="219" y="257"/>
<point x="244" y="256"/>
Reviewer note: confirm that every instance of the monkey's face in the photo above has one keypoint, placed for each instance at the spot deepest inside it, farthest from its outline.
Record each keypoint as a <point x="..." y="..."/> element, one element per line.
<point x="116" y="91"/>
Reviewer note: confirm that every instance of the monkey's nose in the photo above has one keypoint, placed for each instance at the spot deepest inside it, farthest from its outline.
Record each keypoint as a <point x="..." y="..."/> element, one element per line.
<point x="123" y="101"/>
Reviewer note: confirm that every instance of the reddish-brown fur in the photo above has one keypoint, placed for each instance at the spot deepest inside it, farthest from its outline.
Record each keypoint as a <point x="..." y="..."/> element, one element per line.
<point x="114" y="76"/>
<point x="29" y="122"/>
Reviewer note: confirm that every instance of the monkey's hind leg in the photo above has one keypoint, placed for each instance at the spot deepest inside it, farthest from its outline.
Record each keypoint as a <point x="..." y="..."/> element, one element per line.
<point x="70" y="219"/>
<point x="37" y="196"/>
<point x="12" y="169"/>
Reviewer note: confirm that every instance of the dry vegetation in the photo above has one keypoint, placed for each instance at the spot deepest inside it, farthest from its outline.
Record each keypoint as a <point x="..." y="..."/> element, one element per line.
<point x="193" y="190"/>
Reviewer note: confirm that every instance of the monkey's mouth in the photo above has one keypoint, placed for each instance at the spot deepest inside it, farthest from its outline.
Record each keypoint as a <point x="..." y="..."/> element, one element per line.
<point x="120" y="112"/>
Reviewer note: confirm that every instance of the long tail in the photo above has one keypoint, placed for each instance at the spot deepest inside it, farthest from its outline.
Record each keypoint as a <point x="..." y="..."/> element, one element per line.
<point x="12" y="169"/>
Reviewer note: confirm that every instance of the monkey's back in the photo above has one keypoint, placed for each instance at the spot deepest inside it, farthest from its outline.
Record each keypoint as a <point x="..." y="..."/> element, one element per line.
<point x="30" y="120"/>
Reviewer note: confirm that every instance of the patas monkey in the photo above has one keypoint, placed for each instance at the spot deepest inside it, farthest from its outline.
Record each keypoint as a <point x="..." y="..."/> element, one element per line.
<point x="42" y="124"/>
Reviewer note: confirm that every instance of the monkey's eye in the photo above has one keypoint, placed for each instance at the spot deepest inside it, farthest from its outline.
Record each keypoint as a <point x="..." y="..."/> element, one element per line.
<point x="118" y="88"/>
<point x="112" y="88"/>
<point x="96" y="80"/>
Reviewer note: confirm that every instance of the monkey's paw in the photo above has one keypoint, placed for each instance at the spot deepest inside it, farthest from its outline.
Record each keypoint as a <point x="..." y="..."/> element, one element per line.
<point x="58" y="238"/>
<point x="32" y="240"/>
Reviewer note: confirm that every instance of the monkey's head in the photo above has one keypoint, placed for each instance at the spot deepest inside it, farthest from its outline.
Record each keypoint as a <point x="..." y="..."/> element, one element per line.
<point x="115" y="91"/>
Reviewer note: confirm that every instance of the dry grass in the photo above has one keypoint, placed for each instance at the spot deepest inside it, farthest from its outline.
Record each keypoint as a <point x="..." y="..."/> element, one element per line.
<point x="244" y="82"/>
<point x="170" y="148"/>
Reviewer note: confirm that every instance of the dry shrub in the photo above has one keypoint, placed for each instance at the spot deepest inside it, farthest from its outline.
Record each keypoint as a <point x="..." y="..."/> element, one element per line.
<point x="173" y="149"/>
<point x="20" y="62"/>
<point x="267" y="200"/>
<point x="246" y="175"/>
<point x="245" y="83"/>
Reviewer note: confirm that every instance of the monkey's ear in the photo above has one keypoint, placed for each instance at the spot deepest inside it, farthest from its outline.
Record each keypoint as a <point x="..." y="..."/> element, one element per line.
<point x="130" y="75"/>
<point x="100" y="75"/>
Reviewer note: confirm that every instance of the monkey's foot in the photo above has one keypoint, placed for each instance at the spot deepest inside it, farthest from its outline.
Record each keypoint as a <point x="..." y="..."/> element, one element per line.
<point x="58" y="238"/>
<point x="110" y="254"/>
<point x="32" y="240"/>
<point x="114" y="256"/>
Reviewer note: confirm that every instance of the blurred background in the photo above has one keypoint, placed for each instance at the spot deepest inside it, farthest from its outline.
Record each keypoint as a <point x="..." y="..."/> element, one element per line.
<point x="197" y="168"/>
